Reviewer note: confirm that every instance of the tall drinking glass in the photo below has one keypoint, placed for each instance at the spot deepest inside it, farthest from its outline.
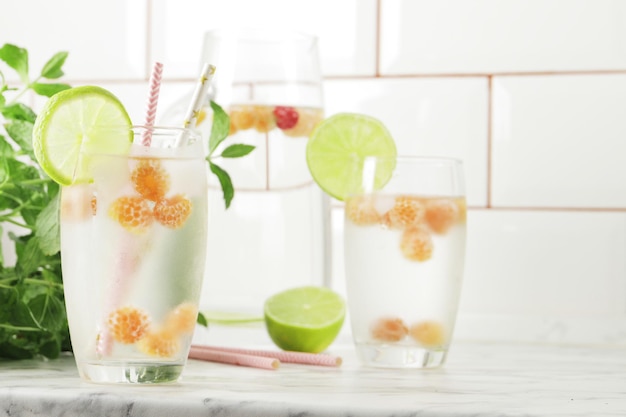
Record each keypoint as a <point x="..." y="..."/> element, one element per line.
<point x="274" y="235"/>
<point x="404" y="256"/>
<point x="133" y="244"/>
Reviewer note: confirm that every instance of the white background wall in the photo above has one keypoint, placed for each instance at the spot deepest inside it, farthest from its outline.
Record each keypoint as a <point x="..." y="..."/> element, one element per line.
<point x="531" y="94"/>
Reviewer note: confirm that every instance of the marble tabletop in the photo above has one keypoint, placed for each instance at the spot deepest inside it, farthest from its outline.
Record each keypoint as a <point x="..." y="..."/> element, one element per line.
<point x="479" y="379"/>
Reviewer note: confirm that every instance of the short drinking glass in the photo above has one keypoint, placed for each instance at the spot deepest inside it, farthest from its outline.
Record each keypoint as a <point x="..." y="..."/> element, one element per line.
<point x="133" y="244"/>
<point x="404" y="256"/>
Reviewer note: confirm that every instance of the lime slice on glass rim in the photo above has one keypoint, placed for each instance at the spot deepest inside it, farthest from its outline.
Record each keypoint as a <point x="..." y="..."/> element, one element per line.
<point x="78" y="120"/>
<point x="338" y="146"/>
<point x="304" y="319"/>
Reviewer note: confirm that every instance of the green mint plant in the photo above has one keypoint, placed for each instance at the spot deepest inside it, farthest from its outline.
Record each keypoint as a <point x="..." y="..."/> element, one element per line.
<point x="219" y="132"/>
<point x="33" y="321"/>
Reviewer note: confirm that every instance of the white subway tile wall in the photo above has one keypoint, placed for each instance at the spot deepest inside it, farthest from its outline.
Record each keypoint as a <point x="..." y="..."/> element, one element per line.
<point x="530" y="94"/>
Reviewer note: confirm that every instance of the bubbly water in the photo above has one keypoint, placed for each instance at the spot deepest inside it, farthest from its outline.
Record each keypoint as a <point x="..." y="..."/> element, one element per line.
<point x="273" y="236"/>
<point x="387" y="289"/>
<point x="106" y="265"/>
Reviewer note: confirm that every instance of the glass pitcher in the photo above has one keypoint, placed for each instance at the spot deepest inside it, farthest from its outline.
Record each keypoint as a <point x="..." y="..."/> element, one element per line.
<point x="275" y="233"/>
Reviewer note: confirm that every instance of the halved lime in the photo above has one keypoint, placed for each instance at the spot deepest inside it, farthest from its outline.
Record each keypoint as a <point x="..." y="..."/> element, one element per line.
<point x="304" y="319"/>
<point x="75" y="122"/>
<point x="338" y="146"/>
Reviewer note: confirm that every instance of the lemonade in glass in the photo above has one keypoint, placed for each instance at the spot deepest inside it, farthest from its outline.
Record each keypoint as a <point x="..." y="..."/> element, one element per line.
<point x="404" y="250"/>
<point x="404" y="240"/>
<point x="133" y="220"/>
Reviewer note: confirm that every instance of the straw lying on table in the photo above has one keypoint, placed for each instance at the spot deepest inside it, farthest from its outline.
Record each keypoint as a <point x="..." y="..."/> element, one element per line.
<point x="265" y="359"/>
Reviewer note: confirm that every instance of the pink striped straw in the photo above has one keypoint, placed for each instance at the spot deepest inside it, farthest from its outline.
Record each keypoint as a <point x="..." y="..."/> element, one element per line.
<point x="151" y="104"/>
<point x="284" y="356"/>
<point x="197" y="352"/>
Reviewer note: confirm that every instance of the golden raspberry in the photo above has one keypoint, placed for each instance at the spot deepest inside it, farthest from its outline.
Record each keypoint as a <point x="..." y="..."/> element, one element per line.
<point x="133" y="213"/>
<point x="428" y="333"/>
<point x="150" y="179"/>
<point x="173" y="212"/>
<point x="162" y="343"/>
<point x="462" y="206"/>
<point x="264" y="120"/>
<point x="128" y="324"/>
<point x="361" y="211"/>
<point x="307" y="120"/>
<point x="441" y="214"/>
<point x="233" y="129"/>
<point x="416" y="244"/>
<point x="94" y="205"/>
<point x="389" y="329"/>
<point x="182" y="319"/>
<point x="407" y="211"/>
<point x="76" y="203"/>
<point x="242" y="117"/>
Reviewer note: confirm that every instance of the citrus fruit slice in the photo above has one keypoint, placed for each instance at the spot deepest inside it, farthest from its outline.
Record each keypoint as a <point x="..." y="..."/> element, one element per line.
<point x="338" y="146"/>
<point x="75" y="122"/>
<point x="304" y="319"/>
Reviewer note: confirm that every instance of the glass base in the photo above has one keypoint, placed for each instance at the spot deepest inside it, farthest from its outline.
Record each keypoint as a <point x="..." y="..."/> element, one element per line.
<point x="400" y="356"/>
<point x="130" y="373"/>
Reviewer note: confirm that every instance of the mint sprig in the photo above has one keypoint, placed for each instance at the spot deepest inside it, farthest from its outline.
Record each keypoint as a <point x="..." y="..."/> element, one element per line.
<point x="32" y="306"/>
<point x="219" y="131"/>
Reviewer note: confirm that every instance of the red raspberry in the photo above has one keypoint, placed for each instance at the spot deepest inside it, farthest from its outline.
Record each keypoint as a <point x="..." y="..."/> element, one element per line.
<point x="286" y="117"/>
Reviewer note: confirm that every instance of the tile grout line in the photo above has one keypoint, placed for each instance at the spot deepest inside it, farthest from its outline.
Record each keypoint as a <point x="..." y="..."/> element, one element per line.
<point x="489" y="139"/>
<point x="148" y="62"/>
<point x="560" y="209"/>
<point x="368" y="77"/>
<point x="482" y="74"/>
<point x="377" y="46"/>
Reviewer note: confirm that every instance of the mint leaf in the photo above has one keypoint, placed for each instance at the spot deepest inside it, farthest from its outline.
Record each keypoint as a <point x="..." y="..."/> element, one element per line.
<point x="47" y="311"/>
<point x="220" y="127"/>
<point x="16" y="58"/>
<point x="52" y="69"/>
<point x="19" y="111"/>
<point x="202" y="320"/>
<point x="48" y="90"/>
<point x="4" y="177"/>
<point x="225" y="182"/>
<point x="6" y="150"/>
<point x="237" y="150"/>
<point x="21" y="131"/>
<point x="32" y="313"/>
<point x="47" y="224"/>
<point x="29" y="257"/>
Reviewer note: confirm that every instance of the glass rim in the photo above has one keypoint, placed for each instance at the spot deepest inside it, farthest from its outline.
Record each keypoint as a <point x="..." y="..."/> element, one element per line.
<point x="160" y="128"/>
<point x="155" y="129"/>
<point x="425" y="159"/>
<point x="146" y="127"/>
<point x="260" y="35"/>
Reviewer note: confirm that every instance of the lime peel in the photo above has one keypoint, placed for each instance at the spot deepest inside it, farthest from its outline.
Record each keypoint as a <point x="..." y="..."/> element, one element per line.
<point x="339" y="145"/>
<point x="304" y="319"/>
<point x="74" y="121"/>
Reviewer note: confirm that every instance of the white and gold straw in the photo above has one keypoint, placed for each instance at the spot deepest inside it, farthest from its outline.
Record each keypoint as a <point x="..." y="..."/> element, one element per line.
<point x="197" y="100"/>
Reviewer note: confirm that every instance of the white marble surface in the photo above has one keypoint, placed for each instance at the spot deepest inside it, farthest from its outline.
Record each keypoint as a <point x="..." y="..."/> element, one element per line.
<point x="478" y="380"/>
